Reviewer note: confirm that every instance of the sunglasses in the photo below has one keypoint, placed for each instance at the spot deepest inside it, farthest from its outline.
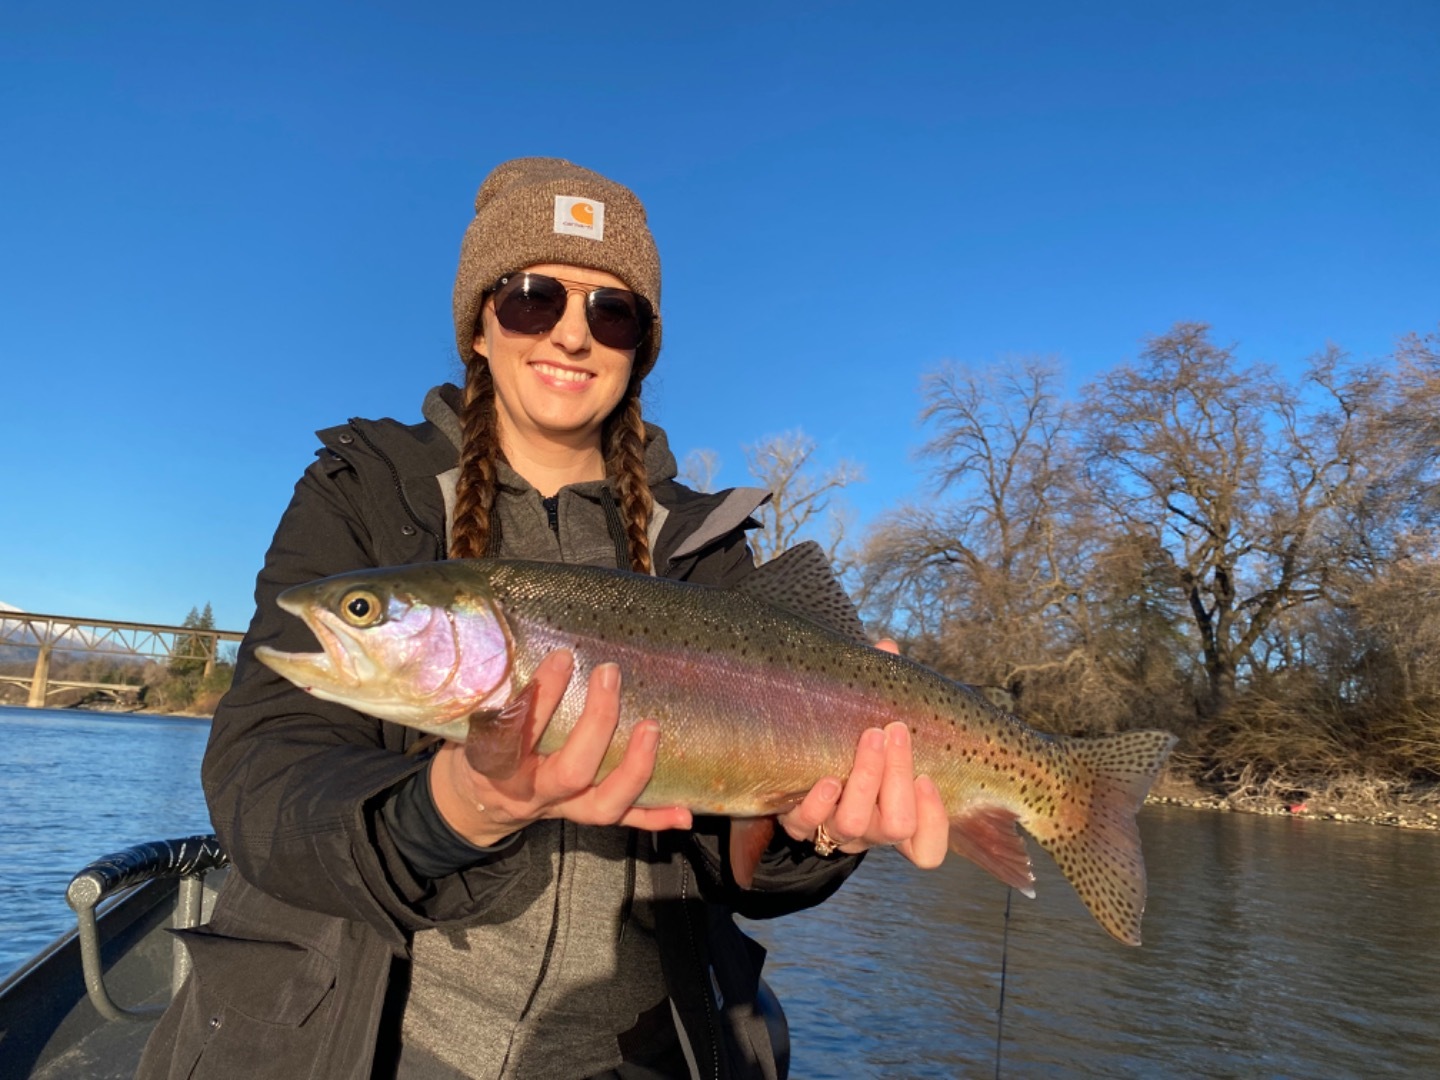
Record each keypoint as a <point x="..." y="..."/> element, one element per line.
<point x="533" y="303"/>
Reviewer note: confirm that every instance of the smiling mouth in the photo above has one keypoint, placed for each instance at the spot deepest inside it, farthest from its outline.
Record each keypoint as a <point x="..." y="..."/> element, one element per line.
<point x="562" y="374"/>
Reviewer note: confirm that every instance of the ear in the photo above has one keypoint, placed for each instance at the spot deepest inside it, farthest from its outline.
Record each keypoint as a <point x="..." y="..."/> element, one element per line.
<point x="481" y="321"/>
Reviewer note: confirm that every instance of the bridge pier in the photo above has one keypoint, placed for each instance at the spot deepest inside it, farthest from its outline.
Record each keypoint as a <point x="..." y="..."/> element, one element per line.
<point x="40" y="684"/>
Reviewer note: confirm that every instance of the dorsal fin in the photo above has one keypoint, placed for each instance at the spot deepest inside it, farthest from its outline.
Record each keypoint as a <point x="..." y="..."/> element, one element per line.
<point x="800" y="581"/>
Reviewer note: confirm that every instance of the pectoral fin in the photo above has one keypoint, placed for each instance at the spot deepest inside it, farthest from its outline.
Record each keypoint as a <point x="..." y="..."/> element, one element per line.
<point x="495" y="742"/>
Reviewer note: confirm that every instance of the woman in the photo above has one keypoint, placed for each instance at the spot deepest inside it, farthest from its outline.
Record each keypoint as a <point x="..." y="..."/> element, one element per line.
<point x="401" y="914"/>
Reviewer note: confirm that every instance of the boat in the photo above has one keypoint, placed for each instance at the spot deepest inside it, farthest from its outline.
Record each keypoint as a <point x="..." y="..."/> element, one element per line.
<point x="84" y="1006"/>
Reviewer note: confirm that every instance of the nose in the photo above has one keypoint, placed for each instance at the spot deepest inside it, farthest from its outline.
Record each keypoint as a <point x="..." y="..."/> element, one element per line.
<point x="572" y="332"/>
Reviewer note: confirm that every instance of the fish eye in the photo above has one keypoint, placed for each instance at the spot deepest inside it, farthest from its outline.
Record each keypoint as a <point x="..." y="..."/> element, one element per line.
<point x="361" y="607"/>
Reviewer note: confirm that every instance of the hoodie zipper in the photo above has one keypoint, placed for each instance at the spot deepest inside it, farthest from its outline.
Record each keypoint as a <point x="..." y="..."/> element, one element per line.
<point x="631" y="845"/>
<point x="711" y="1025"/>
<point x="549" y="949"/>
<point x="615" y="526"/>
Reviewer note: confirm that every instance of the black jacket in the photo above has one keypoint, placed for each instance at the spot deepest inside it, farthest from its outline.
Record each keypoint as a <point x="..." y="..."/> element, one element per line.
<point x="302" y="969"/>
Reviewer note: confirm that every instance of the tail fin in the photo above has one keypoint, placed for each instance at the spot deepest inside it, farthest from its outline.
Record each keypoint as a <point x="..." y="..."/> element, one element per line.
<point x="1100" y="854"/>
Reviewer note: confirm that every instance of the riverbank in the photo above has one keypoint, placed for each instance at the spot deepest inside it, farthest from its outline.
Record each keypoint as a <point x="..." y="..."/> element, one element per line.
<point x="203" y="708"/>
<point x="1352" y="799"/>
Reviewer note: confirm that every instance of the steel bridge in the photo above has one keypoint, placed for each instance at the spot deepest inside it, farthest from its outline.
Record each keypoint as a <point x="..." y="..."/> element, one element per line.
<point x="112" y="638"/>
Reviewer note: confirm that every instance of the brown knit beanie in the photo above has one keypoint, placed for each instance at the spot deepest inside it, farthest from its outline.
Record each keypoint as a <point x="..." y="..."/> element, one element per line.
<point x="545" y="210"/>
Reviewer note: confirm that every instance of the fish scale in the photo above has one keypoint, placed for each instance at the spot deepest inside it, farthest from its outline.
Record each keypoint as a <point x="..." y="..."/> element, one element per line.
<point x="763" y="672"/>
<point x="756" y="703"/>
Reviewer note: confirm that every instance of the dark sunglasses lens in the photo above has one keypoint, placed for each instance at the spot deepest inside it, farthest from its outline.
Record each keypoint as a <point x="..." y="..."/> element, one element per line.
<point x="534" y="303"/>
<point x="530" y="304"/>
<point x="618" y="318"/>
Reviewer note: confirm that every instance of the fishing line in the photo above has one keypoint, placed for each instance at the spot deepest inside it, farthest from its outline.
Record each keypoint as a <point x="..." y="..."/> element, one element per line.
<point x="1004" y="958"/>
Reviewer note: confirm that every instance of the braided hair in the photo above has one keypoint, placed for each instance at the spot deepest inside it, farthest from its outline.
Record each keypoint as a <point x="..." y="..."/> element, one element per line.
<point x="622" y="439"/>
<point x="624" y="442"/>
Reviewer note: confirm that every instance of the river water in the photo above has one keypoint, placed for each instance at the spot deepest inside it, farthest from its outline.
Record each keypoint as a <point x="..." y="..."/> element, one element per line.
<point x="78" y="785"/>
<point x="1274" y="947"/>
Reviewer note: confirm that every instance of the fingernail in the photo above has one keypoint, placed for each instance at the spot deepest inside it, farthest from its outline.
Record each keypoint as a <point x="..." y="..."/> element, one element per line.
<point x="829" y="790"/>
<point x="649" y="734"/>
<point x="873" y="739"/>
<point x="609" y="676"/>
<point x="897" y="735"/>
<point x="926" y="786"/>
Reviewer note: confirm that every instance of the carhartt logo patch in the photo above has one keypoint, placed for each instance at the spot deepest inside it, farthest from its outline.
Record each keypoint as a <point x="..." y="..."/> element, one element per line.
<point x="580" y="217"/>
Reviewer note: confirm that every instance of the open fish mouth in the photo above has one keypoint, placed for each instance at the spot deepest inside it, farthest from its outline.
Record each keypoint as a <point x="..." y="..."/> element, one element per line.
<point x="341" y="666"/>
<point x="417" y="664"/>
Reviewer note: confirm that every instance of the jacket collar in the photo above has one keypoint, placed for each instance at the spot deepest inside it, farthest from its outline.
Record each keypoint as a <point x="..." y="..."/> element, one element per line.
<point x="442" y="408"/>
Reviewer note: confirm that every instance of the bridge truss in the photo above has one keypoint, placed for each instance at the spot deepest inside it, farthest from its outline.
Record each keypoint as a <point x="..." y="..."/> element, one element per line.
<point x="112" y="638"/>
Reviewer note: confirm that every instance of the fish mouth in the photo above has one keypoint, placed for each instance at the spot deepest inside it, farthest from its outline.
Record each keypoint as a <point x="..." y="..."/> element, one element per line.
<point x="342" y="665"/>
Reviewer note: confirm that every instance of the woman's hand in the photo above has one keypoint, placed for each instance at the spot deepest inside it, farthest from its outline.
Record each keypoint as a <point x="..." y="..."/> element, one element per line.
<point x="882" y="802"/>
<point x="561" y="784"/>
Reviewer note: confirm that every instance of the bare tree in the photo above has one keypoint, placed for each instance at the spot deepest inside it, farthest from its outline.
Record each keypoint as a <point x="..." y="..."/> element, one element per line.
<point x="1200" y="546"/>
<point x="994" y="578"/>
<point x="1228" y="474"/>
<point x="994" y="452"/>
<point x="700" y="469"/>
<point x="801" y="493"/>
<point x="1396" y="509"/>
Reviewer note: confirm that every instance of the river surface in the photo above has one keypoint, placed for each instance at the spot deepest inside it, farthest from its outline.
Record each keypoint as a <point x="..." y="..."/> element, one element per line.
<point x="78" y="785"/>
<point x="1274" y="947"/>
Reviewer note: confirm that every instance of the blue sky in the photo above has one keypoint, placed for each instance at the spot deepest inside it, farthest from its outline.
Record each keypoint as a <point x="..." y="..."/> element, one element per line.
<point x="221" y="230"/>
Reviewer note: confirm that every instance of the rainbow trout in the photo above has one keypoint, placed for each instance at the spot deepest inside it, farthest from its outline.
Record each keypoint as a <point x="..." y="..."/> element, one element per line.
<point x="756" y="703"/>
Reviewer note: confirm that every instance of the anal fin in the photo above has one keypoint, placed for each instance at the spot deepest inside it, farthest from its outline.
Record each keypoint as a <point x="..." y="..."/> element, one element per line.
<point x="986" y="835"/>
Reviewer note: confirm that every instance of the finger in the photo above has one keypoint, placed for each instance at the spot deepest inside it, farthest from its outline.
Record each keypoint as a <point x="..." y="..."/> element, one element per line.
<point x="817" y="806"/>
<point x="552" y="677"/>
<point x="619" y="790"/>
<point x="657" y="819"/>
<point x="886" y="644"/>
<point x="931" y="842"/>
<point x="896" y="818"/>
<point x="852" y="815"/>
<point x="572" y="768"/>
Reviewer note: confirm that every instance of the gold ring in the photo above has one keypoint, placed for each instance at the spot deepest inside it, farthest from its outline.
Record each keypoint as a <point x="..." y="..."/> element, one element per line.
<point x="825" y="844"/>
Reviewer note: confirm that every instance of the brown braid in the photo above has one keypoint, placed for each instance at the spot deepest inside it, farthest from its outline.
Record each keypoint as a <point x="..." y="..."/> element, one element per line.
<point x="624" y="443"/>
<point x="625" y="465"/>
<point x="475" y="490"/>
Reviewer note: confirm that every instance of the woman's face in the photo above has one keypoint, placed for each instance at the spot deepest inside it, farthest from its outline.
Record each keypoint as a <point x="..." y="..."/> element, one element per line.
<point x="555" y="389"/>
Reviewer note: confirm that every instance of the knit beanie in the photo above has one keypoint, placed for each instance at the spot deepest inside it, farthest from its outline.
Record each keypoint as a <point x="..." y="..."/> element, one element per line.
<point x="544" y="210"/>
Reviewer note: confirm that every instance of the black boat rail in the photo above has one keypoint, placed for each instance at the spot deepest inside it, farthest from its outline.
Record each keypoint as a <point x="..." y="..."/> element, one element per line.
<point x="189" y="859"/>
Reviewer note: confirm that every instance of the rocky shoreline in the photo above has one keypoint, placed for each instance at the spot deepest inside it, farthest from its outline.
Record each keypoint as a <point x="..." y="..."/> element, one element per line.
<point x="1349" y="800"/>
